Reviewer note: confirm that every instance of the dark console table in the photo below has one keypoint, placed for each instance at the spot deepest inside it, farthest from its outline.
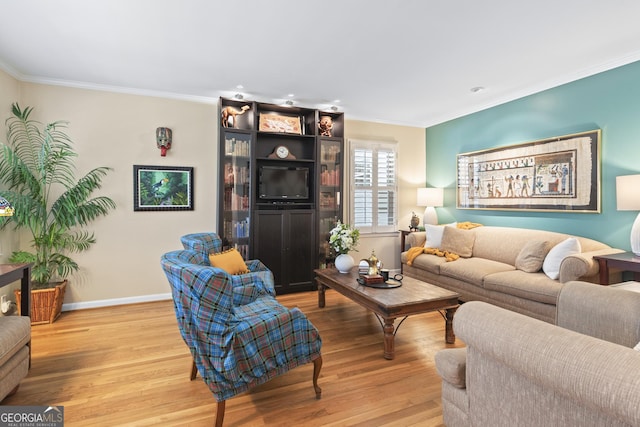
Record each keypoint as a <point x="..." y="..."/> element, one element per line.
<point x="10" y="273"/>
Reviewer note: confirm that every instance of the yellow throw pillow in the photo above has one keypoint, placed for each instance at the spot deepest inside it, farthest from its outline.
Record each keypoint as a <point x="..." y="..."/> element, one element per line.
<point x="230" y="261"/>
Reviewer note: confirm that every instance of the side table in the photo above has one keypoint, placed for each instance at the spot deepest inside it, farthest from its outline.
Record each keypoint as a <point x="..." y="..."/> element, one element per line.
<point x="625" y="261"/>
<point x="9" y="273"/>
<point x="403" y="236"/>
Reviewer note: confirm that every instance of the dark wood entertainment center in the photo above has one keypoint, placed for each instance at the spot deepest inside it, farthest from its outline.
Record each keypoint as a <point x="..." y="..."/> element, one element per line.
<point x="284" y="223"/>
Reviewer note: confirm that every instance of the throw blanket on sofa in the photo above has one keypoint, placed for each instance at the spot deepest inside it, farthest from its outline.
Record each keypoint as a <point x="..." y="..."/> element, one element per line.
<point x="468" y="225"/>
<point x="412" y="253"/>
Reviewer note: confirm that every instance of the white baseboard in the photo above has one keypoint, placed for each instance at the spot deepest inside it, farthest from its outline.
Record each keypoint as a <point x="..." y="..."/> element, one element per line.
<point x="115" y="301"/>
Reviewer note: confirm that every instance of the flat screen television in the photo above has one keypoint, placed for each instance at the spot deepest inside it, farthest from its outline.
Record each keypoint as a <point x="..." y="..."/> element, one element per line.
<point x="283" y="183"/>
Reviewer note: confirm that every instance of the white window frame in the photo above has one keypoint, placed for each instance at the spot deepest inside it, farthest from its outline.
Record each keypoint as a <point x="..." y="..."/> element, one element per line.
<point x="374" y="146"/>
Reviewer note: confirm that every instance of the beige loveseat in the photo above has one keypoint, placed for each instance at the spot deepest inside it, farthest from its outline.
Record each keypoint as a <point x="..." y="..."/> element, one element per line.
<point x="489" y="272"/>
<point x="519" y="371"/>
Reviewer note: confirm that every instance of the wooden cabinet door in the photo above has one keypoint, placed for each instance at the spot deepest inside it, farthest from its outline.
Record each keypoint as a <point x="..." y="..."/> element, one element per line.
<point x="285" y="243"/>
<point x="268" y="243"/>
<point x="300" y="257"/>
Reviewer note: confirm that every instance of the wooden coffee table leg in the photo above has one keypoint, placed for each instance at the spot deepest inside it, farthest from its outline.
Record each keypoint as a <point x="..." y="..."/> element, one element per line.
<point x="389" y="344"/>
<point x="321" y="288"/>
<point x="449" y="337"/>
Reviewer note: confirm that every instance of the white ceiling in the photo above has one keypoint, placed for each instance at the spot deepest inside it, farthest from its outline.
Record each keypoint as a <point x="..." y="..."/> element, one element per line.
<point x="410" y="62"/>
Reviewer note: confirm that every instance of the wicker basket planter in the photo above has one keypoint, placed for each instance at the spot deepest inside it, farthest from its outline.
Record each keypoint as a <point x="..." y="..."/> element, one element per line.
<point x="46" y="304"/>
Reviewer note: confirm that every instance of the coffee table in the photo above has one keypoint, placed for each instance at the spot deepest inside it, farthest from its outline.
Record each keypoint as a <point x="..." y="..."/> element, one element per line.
<point x="413" y="297"/>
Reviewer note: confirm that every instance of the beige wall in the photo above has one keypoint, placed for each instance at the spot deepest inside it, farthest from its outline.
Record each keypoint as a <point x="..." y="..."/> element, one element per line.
<point x="411" y="175"/>
<point x="118" y="130"/>
<point x="9" y="93"/>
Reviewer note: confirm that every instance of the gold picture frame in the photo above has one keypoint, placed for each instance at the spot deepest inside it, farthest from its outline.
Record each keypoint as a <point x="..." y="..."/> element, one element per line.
<point x="560" y="174"/>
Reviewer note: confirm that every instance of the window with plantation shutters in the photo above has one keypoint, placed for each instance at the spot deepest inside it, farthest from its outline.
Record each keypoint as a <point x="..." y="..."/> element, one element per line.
<point x="374" y="190"/>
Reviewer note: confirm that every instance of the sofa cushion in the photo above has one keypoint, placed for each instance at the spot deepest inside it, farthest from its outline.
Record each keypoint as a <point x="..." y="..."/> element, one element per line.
<point x="428" y="262"/>
<point x="434" y="234"/>
<point x="472" y="270"/>
<point x="532" y="256"/>
<point x="458" y="241"/>
<point x="532" y="286"/>
<point x="551" y="264"/>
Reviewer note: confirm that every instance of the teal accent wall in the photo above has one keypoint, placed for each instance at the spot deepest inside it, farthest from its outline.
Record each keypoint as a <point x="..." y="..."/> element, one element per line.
<point x="609" y="101"/>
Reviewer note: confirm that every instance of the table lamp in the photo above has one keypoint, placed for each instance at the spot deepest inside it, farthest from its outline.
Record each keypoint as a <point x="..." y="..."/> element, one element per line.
<point x="5" y="207"/>
<point x="431" y="198"/>
<point x="628" y="199"/>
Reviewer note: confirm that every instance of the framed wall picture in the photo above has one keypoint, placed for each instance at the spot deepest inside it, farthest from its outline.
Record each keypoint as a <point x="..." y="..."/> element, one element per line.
<point x="557" y="174"/>
<point x="279" y="123"/>
<point x="162" y="188"/>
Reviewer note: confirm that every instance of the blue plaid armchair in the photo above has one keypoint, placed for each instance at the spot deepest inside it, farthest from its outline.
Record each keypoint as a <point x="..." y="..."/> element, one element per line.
<point x="239" y="335"/>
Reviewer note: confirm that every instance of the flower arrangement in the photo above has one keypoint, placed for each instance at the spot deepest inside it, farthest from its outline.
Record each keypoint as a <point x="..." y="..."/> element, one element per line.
<point x="343" y="238"/>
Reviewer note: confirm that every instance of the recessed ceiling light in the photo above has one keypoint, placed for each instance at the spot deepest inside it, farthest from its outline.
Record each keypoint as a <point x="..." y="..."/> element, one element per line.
<point x="477" y="89"/>
<point x="291" y="95"/>
<point x="239" y="87"/>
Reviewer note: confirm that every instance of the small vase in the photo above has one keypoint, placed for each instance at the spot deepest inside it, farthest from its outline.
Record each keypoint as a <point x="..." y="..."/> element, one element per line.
<point x="344" y="263"/>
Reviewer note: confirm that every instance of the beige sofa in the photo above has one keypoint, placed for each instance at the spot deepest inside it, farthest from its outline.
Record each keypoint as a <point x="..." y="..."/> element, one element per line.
<point x="519" y="371"/>
<point x="489" y="274"/>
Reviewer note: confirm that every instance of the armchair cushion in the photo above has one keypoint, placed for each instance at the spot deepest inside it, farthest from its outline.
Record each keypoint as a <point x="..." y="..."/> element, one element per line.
<point x="230" y="261"/>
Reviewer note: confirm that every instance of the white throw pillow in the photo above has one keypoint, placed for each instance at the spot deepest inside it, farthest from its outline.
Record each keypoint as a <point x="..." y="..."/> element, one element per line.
<point x="434" y="234"/>
<point x="637" y="347"/>
<point x="552" y="261"/>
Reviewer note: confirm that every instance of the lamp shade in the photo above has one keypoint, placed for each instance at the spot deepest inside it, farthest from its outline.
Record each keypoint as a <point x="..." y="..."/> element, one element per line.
<point x="433" y="197"/>
<point x="5" y="207"/>
<point x="628" y="192"/>
<point x="628" y="199"/>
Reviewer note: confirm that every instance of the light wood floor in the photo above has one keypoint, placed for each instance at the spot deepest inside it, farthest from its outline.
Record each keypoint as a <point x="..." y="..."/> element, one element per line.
<point x="128" y="365"/>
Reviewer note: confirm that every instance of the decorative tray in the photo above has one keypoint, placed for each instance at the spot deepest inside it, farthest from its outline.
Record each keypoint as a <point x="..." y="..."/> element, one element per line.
<point x="389" y="284"/>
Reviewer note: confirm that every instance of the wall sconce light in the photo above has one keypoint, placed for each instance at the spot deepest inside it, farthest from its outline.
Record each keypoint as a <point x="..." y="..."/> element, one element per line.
<point x="431" y="198"/>
<point x="628" y="199"/>
<point x="163" y="140"/>
<point x="5" y="207"/>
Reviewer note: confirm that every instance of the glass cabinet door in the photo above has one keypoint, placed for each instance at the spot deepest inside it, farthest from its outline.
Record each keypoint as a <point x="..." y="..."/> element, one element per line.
<point x="329" y="195"/>
<point x="236" y="181"/>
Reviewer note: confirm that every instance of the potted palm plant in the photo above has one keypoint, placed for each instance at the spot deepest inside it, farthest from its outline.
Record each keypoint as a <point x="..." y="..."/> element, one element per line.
<point x="38" y="171"/>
